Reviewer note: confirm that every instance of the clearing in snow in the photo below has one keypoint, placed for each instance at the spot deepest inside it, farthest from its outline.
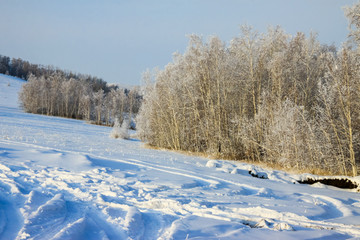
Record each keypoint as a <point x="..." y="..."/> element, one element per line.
<point x="65" y="179"/>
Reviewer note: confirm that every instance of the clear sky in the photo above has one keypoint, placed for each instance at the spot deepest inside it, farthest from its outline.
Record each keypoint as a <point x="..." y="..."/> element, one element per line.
<point x="118" y="40"/>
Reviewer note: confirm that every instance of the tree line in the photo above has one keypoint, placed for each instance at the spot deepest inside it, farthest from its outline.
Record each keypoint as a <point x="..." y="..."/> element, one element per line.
<point x="57" y="92"/>
<point x="273" y="98"/>
<point x="20" y="68"/>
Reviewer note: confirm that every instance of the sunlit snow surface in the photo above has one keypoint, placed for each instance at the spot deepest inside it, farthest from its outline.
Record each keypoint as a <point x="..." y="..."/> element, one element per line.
<point x="65" y="179"/>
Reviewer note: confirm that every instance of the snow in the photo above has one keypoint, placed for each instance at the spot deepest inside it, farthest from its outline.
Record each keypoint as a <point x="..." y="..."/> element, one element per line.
<point x="66" y="179"/>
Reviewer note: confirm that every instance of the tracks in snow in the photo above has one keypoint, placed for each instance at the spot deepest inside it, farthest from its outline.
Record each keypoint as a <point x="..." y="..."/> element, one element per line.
<point x="132" y="195"/>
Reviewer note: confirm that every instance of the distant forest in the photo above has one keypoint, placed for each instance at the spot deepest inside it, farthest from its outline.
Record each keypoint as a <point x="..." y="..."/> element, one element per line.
<point x="57" y="92"/>
<point x="20" y="68"/>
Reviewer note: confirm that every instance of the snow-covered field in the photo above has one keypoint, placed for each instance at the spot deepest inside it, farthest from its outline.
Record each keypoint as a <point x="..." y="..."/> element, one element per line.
<point x="65" y="179"/>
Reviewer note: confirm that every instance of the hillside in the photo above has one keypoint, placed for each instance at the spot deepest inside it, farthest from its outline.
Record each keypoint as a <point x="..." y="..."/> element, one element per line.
<point x="65" y="179"/>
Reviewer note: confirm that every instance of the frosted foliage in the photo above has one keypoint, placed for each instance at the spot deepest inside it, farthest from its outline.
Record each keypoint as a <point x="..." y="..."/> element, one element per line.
<point x="148" y="107"/>
<point x="260" y="99"/>
<point x="288" y="139"/>
<point x="120" y="131"/>
<point x="59" y="95"/>
<point x="353" y="15"/>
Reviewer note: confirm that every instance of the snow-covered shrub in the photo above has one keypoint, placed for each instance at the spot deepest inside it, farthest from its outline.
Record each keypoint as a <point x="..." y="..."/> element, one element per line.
<point x="120" y="131"/>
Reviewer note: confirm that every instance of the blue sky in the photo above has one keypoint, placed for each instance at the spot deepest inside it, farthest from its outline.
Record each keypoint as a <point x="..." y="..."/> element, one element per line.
<point x="118" y="40"/>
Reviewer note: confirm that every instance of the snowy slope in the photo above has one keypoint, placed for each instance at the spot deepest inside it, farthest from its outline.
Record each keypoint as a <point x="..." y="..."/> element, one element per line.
<point x="9" y="88"/>
<point x="65" y="179"/>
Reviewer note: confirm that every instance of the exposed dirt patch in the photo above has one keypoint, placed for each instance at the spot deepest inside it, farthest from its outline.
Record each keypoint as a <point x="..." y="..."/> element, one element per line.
<point x="258" y="174"/>
<point x="336" y="182"/>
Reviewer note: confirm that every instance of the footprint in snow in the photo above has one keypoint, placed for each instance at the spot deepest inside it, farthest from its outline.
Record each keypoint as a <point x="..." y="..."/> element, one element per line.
<point x="134" y="223"/>
<point x="83" y="228"/>
<point x="47" y="217"/>
<point x="9" y="219"/>
<point x="35" y="200"/>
